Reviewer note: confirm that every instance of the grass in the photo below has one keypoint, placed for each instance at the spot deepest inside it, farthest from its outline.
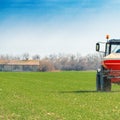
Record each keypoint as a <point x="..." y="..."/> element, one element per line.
<point x="56" y="96"/>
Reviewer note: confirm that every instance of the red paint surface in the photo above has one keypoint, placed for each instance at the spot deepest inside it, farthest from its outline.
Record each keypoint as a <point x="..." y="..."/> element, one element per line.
<point x="111" y="64"/>
<point x="114" y="67"/>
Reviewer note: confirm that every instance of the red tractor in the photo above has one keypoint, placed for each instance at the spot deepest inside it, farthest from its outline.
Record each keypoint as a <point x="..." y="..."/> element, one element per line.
<point x="109" y="71"/>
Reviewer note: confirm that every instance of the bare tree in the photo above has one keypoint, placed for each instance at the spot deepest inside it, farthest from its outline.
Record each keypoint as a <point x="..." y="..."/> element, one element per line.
<point x="25" y="56"/>
<point x="46" y="65"/>
<point x="36" y="57"/>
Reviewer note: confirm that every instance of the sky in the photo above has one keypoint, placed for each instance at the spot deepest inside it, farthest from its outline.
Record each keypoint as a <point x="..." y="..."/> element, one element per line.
<point x="47" y="27"/>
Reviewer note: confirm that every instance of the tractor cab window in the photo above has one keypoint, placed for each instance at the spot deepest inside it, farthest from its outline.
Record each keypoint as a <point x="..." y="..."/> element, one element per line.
<point x="115" y="48"/>
<point x="107" y="49"/>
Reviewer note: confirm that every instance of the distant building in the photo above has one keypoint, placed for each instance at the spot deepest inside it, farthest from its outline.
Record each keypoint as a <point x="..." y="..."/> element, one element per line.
<point x="19" y="65"/>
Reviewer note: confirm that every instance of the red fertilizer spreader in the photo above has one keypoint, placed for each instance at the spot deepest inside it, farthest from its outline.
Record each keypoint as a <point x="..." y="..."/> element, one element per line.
<point x="112" y="65"/>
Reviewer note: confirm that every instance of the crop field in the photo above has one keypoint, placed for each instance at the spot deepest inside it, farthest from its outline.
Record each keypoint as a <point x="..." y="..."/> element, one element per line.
<point x="56" y="96"/>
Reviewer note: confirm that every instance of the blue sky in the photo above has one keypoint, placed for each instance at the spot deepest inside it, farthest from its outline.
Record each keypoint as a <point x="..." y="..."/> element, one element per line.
<point x="47" y="27"/>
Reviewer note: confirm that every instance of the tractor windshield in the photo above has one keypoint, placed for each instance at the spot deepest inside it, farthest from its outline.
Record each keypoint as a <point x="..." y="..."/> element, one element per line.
<point x="115" y="48"/>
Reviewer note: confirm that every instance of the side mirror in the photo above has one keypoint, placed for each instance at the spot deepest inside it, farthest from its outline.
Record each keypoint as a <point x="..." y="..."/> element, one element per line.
<point x="97" y="47"/>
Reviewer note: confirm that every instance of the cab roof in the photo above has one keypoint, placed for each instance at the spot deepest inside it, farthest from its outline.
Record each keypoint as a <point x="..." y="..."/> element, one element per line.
<point x="114" y="41"/>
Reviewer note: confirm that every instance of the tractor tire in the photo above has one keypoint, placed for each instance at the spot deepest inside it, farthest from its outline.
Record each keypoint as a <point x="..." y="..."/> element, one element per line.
<point x="106" y="84"/>
<point x="98" y="83"/>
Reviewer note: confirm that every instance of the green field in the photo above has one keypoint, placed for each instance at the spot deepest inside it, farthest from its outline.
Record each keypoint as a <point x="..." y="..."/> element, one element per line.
<point x="56" y="96"/>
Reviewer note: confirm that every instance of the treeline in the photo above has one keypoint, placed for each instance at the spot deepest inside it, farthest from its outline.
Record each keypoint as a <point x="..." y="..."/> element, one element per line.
<point x="66" y="62"/>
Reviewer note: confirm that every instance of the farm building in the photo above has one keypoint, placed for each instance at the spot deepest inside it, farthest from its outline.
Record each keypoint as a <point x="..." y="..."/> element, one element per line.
<point x="19" y="65"/>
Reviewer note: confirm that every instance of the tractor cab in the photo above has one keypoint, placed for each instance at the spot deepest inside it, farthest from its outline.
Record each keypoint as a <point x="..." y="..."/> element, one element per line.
<point x="111" y="46"/>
